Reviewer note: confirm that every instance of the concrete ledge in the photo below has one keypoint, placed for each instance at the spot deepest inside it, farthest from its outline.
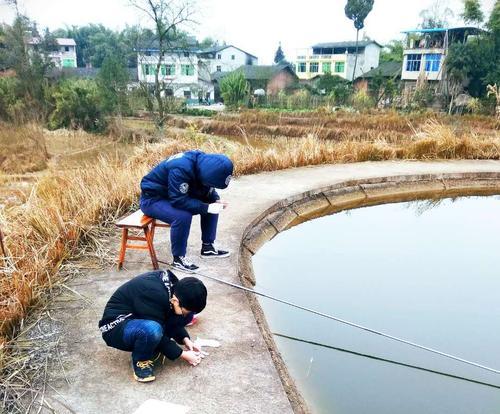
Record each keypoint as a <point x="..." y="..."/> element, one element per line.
<point x="342" y="196"/>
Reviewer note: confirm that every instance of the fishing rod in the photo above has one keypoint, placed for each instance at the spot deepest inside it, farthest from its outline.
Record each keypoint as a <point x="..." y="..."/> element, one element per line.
<point x="390" y="361"/>
<point x="346" y="322"/>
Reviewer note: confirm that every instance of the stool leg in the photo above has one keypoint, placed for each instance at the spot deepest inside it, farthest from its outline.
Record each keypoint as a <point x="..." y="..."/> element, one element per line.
<point x="4" y="254"/>
<point x="123" y="248"/>
<point x="152" y="253"/>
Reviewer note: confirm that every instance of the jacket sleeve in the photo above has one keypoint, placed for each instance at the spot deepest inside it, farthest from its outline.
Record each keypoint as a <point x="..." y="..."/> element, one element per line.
<point x="213" y="196"/>
<point x="178" y="193"/>
<point x="169" y="348"/>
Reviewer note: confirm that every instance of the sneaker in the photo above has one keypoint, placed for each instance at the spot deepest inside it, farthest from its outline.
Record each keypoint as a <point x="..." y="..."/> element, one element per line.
<point x="209" y="251"/>
<point x="181" y="263"/>
<point x="143" y="371"/>
<point x="158" y="359"/>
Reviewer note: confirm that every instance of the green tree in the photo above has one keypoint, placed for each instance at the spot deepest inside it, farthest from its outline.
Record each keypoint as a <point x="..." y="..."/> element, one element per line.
<point x="329" y="83"/>
<point x="472" y="12"/>
<point x="392" y="52"/>
<point x="77" y="105"/>
<point x="279" y="56"/>
<point x="357" y="11"/>
<point x="234" y="89"/>
<point x="112" y="81"/>
<point x="26" y="52"/>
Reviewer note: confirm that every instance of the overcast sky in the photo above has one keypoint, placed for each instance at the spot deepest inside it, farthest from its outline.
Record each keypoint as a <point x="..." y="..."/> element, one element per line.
<point x="256" y="26"/>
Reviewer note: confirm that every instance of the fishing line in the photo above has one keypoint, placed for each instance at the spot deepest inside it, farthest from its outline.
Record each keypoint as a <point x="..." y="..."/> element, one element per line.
<point x="346" y="322"/>
<point x="390" y="361"/>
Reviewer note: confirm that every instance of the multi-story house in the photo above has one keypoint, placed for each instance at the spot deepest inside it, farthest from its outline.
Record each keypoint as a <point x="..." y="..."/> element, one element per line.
<point x="425" y="52"/>
<point x="187" y="71"/>
<point x="337" y="58"/>
<point x="64" y="55"/>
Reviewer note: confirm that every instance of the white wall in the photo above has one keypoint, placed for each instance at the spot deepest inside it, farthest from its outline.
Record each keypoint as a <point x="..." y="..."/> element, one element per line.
<point x="226" y="61"/>
<point x="367" y="60"/>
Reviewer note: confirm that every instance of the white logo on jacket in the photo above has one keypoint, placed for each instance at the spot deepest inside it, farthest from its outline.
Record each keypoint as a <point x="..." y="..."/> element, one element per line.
<point x="184" y="188"/>
<point x="228" y="179"/>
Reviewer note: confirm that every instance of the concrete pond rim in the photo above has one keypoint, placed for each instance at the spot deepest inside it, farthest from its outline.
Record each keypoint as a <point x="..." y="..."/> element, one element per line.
<point x="346" y="195"/>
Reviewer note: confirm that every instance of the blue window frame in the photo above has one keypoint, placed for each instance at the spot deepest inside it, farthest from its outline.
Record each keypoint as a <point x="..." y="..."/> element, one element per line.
<point x="432" y="61"/>
<point x="413" y="62"/>
<point x="301" y="67"/>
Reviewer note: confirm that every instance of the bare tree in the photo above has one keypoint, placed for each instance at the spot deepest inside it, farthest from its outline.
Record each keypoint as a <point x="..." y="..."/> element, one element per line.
<point x="168" y="18"/>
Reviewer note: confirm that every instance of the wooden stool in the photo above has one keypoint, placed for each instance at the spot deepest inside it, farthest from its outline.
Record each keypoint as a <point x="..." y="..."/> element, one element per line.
<point x="138" y="221"/>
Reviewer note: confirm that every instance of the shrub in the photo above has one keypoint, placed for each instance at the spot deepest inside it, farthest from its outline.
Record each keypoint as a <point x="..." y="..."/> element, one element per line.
<point x="235" y="90"/>
<point x="362" y="101"/>
<point x="77" y="105"/>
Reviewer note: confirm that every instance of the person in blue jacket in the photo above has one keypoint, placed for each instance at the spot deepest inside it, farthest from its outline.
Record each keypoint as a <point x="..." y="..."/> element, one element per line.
<point x="180" y="187"/>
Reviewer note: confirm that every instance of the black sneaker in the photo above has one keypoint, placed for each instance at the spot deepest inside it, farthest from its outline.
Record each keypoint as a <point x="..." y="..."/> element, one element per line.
<point x="158" y="359"/>
<point x="143" y="371"/>
<point x="208" y="251"/>
<point x="181" y="263"/>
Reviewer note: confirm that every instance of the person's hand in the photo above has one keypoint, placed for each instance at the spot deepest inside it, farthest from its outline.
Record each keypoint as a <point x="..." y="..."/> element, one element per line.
<point x="191" y="357"/>
<point x="223" y="203"/>
<point x="191" y="346"/>
<point x="215" y="208"/>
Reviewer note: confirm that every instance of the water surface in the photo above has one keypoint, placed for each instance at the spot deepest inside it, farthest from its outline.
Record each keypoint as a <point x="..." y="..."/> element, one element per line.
<point x="423" y="271"/>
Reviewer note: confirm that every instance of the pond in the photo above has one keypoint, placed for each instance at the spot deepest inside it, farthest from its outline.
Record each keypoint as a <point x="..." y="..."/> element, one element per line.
<point x="423" y="271"/>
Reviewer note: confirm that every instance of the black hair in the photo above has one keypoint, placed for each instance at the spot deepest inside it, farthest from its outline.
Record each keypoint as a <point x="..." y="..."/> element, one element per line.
<point x="192" y="294"/>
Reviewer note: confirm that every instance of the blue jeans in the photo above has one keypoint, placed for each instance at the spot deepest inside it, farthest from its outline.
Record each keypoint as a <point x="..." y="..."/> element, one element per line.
<point x="143" y="337"/>
<point x="180" y="222"/>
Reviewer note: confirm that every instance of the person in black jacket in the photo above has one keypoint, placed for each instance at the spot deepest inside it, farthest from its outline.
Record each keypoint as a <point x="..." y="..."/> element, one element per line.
<point x="180" y="187"/>
<point x="145" y="313"/>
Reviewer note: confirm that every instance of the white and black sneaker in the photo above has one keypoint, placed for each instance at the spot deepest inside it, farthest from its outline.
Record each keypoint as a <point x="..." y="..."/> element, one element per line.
<point x="181" y="263"/>
<point x="209" y="251"/>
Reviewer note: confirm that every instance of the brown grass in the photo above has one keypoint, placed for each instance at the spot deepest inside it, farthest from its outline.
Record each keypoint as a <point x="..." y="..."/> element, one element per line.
<point x="22" y="149"/>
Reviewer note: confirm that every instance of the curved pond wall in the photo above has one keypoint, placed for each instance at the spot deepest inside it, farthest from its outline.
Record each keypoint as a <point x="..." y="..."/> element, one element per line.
<point x="344" y="196"/>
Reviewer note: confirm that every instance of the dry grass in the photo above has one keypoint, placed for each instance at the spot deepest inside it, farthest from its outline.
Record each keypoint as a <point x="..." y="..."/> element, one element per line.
<point x="22" y="149"/>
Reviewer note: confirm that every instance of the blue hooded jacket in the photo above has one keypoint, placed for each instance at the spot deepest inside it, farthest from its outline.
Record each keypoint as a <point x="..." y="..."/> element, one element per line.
<point x="188" y="180"/>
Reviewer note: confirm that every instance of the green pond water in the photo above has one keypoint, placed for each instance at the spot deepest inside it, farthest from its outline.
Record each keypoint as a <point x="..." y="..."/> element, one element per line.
<point x="424" y="271"/>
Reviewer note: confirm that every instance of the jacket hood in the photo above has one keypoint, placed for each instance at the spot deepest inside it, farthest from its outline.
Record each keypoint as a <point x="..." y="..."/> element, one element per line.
<point x="214" y="170"/>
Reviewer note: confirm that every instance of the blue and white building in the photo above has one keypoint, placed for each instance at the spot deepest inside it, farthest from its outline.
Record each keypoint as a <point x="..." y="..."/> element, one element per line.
<point x="426" y="49"/>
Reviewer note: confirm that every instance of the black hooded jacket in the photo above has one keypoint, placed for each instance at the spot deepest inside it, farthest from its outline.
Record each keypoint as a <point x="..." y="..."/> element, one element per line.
<point x="146" y="297"/>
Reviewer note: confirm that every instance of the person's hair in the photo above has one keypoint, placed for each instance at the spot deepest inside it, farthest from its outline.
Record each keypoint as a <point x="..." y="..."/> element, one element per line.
<point x="192" y="294"/>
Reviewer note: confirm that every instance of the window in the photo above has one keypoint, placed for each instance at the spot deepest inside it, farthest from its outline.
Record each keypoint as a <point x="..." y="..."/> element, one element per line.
<point x="186" y="54"/>
<point x="314" y="67"/>
<point x="187" y="70"/>
<point x="413" y="62"/>
<point x="219" y="56"/>
<point x="145" y="70"/>
<point x="326" y="67"/>
<point x="169" y="70"/>
<point x="66" y="48"/>
<point x="219" y="68"/>
<point x="233" y="57"/>
<point x="301" y="67"/>
<point x="187" y="94"/>
<point x="432" y="61"/>
<point x="339" y="67"/>
<point x="169" y="92"/>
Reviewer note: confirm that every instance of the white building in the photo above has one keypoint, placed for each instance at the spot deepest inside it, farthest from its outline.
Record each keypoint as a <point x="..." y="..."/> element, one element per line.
<point x="426" y="49"/>
<point x="187" y="72"/>
<point x="337" y="58"/>
<point x="65" y="54"/>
